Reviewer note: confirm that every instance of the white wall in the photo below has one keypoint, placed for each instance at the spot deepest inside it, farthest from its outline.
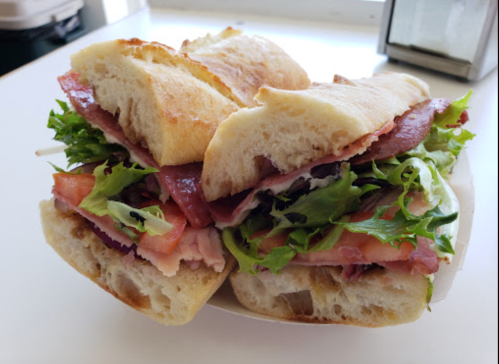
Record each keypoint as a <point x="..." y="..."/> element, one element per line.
<point x="366" y="12"/>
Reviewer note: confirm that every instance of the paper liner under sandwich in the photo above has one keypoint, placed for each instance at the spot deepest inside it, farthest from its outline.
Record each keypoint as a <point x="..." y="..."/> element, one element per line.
<point x="462" y="184"/>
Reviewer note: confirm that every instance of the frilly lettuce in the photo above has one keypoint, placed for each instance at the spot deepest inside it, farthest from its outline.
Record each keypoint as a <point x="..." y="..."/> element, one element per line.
<point x="100" y="203"/>
<point x="323" y="205"/>
<point x="149" y="220"/>
<point x="446" y="139"/>
<point x="406" y="227"/>
<point x="85" y="144"/>
<point x="330" y="202"/>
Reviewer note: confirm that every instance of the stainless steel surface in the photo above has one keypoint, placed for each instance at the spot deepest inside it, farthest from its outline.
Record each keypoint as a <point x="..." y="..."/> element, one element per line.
<point x="386" y="20"/>
<point x="466" y="51"/>
<point x="406" y="54"/>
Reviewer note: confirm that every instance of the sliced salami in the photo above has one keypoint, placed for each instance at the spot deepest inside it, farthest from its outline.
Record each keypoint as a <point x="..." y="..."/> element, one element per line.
<point x="410" y="130"/>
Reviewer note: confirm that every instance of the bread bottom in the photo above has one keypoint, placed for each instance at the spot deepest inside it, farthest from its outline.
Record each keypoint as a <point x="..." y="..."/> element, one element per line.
<point x="321" y="295"/>
<point x="170" y="301"/>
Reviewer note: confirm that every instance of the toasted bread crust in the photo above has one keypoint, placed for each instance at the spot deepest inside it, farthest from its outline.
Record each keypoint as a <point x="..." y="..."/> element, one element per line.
<point x="170" y="301"/>
<point x="245" y="63"/>
<point x="165" y="101"/>
<point x="321" y="295"/>
<point x="172" y="103"/>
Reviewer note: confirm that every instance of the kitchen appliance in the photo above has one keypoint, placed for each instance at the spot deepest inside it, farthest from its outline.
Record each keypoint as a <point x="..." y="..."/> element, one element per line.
<point x="457" y="37"/>
<point x="32" y="28"/>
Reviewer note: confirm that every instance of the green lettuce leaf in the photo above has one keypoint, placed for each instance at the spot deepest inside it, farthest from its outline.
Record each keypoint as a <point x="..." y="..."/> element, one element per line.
<point x="149" y="220"/>
<point x="60" y="170"/>
<point x="278" y="258"/>
<point x="406" y="227"/>
<point x="109" y="185"/>
<point x="100" y="201"/>
<point x="429" y="292"/>
<point x="323" y="205"/>
<point x="300" y="238"/>
<point x="445" y="141"/>
<point x="85" y="144"/>
<point x="331" y="239"/>
<point x="298" y="241"/>
<point x="412" y="174"/>
<point x="444" y="161"/>
<point x="450" y="117"/>
<point x="248" y="257"/>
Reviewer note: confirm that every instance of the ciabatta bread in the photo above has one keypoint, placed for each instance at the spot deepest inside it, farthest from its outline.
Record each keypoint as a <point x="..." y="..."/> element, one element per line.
<point x="321" y="295"/>
<point x="294" y="128"/>
<point x="244" y="63"/>
<point x="170" y="301"/>
<point x="172" y="103"/>
<point x="165" y="101"/>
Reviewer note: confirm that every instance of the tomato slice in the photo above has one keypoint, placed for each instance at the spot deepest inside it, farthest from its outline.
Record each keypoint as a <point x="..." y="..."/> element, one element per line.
<point x="165" y="243"/>
<point x="73" y="187"/>
<point x="270" y="243"/>
<point x="363" y="247"/>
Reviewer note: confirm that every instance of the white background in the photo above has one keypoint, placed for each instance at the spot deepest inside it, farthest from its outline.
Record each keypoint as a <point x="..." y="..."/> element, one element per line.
<point x="51" y="314"/>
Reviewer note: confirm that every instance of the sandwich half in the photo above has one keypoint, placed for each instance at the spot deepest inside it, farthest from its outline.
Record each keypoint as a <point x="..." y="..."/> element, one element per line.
<point x="130" y="214"/>
<point x="334" y="199"/>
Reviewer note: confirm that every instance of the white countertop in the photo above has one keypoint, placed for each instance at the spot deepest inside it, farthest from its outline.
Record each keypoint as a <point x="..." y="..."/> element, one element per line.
<point x="51" y="314"/>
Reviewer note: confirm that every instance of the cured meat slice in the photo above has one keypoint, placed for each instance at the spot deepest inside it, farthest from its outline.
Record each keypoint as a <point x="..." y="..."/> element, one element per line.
<point x="231" y="211"/>
<point x="181" y="182"/>
<point x="423" y="260"/>
<point x="195" y="245"/>
<point x="184" y="184"/>
<point x="410" y="130"/>
<point x="82" y="99"/>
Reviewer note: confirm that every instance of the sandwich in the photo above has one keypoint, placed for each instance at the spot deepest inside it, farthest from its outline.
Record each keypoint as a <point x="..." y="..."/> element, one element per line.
<point x="334" y="200"/>
<point x="130" y="214"/>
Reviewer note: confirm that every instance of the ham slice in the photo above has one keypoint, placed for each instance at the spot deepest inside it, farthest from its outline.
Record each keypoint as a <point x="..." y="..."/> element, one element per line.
<point x="365" y="251"/>
<point x="195" y="245"/>
<point x="181" y="182"/>
<point x="231" y="211"/>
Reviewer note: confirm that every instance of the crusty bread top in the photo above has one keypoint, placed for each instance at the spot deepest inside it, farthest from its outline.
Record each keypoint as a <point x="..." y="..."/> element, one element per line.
<point x="245" y="63"/>
<point x="294" y="128"/>
<point x="165" y="101"/>
<point x="170" y="102"/>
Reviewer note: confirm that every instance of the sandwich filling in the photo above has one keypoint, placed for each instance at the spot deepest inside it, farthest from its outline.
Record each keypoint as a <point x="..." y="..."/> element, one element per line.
<point x="181" y="182"/>
<point x="388" y="205"/>
<point x="123" y="193"/>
